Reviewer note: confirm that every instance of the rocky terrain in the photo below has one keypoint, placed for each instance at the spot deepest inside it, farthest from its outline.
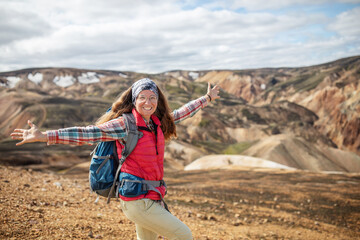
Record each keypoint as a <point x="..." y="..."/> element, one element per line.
<point x="246" y="203"/>
<point x="305" y="118"/>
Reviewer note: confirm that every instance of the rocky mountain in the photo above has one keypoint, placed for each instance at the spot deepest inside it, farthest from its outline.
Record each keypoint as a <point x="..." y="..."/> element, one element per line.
<point x="307" y="118"/>
<point x="331" y="91"/>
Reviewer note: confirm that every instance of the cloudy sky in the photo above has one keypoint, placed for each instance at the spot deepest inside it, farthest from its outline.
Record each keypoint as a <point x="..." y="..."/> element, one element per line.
<point x="160" y="35"/>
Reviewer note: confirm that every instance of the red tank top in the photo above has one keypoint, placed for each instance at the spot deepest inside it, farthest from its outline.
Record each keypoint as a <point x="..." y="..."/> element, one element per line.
<point x="147" y="159"/>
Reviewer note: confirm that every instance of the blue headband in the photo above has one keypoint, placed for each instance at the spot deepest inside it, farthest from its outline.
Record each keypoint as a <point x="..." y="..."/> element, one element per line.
<point x="141" y="85"/>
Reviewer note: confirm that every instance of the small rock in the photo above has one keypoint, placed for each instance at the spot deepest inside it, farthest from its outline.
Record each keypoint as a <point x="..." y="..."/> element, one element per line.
<point x="91" y="235"/>
<point x="201" y="216"/>
<point x="58" y="185"/>
<point x="65" y="203"/>
<point x="237" y="215"/>
<point x="237" y="223"/>
<point x="212" y="218"/>
<point x="33" y="222"/>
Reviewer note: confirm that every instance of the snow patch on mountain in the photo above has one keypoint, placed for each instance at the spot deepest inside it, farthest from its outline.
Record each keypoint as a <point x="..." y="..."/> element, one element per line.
<point x="89" y="77"/>
<point x="37" y="78"/>
<point x="123" y="75"/>
<point x="64" y="81"/>
<point x="12" y="81"/>
<point x="194" y="75"/>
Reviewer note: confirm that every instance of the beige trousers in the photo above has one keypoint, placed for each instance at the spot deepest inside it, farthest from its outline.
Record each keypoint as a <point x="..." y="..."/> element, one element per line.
<point x="151" y="220"/>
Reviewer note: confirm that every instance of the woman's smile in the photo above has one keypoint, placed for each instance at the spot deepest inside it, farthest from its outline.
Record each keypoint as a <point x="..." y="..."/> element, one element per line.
<point x="146" y="103"/>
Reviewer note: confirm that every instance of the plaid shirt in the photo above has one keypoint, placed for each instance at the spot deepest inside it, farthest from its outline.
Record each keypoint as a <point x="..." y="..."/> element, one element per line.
<point x="114" y="129"/>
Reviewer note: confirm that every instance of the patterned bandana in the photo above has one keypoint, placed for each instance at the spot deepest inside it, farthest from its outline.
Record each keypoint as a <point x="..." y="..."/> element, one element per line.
<point x="141" y="85"/>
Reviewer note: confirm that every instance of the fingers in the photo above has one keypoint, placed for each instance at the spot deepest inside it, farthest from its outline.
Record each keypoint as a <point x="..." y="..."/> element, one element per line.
<point x="31" y="124"/>
<point x="18" y="131"/>
<point x="216" y="87"/>
<point x="16" y="135"/>
<point x="209" y="87"/>
<point x="20" y="143"/>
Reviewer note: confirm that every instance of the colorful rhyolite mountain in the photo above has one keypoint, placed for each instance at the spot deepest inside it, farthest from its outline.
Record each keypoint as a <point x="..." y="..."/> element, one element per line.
<point x="306" y="118"/>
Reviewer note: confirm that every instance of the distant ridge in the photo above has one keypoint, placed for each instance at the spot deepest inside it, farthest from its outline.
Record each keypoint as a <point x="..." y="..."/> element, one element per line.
<point x="317" y="106"/>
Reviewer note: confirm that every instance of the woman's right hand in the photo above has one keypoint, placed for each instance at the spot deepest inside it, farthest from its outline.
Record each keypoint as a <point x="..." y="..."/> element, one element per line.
<point x="29" y="135"/>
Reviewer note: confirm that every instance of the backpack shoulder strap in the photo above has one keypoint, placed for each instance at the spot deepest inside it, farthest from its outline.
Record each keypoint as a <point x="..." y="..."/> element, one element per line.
<point x="133" y="134"/>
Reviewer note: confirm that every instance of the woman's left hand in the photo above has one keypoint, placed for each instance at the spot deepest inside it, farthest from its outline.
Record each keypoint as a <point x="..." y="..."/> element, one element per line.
<point x="213" y="92"/>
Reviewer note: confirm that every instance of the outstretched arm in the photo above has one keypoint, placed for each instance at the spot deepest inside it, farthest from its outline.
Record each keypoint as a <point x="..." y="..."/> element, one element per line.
<point x="189" y="109"/>
<point x="112" y="130"/>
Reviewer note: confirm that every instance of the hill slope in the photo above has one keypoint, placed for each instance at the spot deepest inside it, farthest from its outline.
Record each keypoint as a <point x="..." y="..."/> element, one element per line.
<point x="317" y="105"/>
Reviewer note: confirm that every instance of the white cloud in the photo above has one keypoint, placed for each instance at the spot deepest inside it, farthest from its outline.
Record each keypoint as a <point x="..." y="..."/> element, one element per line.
<point x="257" y="5"/>
<point x="347" y="24"/>
<point x="153" y="36"/>
<point x="15" y="25"/>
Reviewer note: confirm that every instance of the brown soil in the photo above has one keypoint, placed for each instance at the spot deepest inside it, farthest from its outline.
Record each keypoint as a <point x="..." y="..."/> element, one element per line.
<point x="215" y="204"/>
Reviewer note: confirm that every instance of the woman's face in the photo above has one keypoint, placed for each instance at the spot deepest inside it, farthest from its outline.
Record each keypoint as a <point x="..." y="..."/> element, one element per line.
<point x="146" y="103"/>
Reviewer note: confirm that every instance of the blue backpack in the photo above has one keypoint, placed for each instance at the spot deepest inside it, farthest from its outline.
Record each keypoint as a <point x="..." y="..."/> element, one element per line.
<point x="105" y="165"/>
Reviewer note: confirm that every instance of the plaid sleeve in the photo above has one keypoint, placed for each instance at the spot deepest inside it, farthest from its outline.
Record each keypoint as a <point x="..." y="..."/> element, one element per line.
<point x="112" y="130"/>
<point x="189" y="109"/>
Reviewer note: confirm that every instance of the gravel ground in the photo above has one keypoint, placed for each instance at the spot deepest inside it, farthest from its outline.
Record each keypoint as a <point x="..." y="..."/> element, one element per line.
<point x="215" y="204"/>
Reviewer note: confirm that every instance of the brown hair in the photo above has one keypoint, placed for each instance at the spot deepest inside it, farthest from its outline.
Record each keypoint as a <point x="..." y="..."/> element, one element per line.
<point x="124" y="105"/>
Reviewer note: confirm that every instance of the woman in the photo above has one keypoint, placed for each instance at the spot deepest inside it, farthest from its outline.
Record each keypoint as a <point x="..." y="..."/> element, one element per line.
<point x="154" y="119"/>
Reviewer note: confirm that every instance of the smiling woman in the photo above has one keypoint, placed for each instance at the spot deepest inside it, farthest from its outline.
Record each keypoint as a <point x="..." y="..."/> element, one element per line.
<point x="156" y="123"/>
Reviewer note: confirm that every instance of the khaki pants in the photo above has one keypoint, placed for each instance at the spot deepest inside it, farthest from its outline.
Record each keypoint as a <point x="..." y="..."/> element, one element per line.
<point x="151" y="220"/>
